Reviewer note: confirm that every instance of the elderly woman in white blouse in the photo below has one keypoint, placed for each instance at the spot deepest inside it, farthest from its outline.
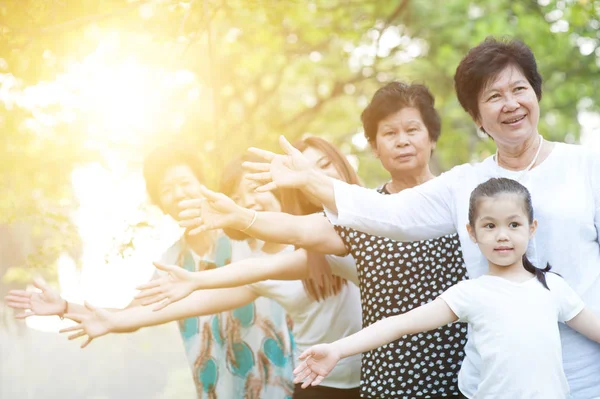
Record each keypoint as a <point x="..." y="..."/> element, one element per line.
<point x="499" y="85"/>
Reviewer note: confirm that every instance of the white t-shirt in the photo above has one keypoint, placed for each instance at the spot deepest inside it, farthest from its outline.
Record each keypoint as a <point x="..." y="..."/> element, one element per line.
<point x="343" y="266"/>
<point x="320" y="322"/>
<point x="514" y="329"/>
<point x="565" y="189"/>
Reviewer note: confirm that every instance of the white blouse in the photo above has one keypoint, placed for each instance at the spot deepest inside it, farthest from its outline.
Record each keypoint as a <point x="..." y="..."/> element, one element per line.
<point x="565" y="190"/>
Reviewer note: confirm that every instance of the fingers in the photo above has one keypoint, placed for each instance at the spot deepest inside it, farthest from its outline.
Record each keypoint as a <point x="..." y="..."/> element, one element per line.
<point x="317" y="380"/>
<point x="163" y="304"/>
<point x="195" y="203"/>
<point x="165" y="268"/>
<point x="200" y="229"/>
<point x="309" y="380"/>
<point x="150" y="284"/>
<point x="39" y="283"/>
<point x="86" y="343"/>
<point x="154" y="299"/>
<point x="24" y="315"/>
<point x="300" y="369"/>
<point x="145" y="294"/>
<point x="264" y="154"/>
<point x="17" y="298"/>
<point x="287" y="146"/>
<point x="190" y="222"/>
<point x="256" y="166"/>
<point x="264" y="176"/>
<point x="74" y="316"/>
<point x="266" y="187"/>
<point x="77" y="335"/>
<point x="76" y="327"/>
<point x="89" y="306"/>
<point x="210" y="195"/>
<point x="306" y="354"/>
<point x="19" y="293"/>
<point x="190" y="213"/>
<point x="18" y="305"/>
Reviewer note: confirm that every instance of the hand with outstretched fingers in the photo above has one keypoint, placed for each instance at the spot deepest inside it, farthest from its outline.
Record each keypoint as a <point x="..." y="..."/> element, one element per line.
<point x="318" y="363"/>
<point x="287" y="170"/>
<point x="173" y="287"/>
<point x="46" y="302"/>
<point x="212" y="212"/>
<point x="93" y="325"/>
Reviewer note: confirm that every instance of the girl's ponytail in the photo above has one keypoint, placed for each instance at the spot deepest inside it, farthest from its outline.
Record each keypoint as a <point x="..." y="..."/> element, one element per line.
<point x="539" y="273"/>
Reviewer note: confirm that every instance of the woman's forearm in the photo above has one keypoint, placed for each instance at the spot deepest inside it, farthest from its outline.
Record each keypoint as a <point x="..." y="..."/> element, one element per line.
<point x="199" y="303"/>
<point x="313" y="232"/>
<point x="424" y="318"/>
<point x="319" y="188"/>
<point x="284" y="266"/>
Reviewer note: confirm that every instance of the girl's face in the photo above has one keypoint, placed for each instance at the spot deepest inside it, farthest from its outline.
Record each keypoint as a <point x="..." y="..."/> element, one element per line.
<point x="508" y="108"/>
<point x="320" y="161"/>
<point x="502" y="230"/>
<point x="402" y="143"/>
<point x="246" y="197"/>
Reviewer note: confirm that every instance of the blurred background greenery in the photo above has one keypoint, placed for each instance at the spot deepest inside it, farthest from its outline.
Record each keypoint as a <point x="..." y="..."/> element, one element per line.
<point x="88" y="87"/>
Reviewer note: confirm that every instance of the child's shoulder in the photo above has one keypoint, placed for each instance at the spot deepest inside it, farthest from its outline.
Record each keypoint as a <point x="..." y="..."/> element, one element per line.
<point x="555" y="280"/>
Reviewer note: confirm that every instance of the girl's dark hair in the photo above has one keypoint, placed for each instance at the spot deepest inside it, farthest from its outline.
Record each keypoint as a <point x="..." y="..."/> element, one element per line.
<point x="501" y="185"/>
<point x="395" y="96"/>
<point x="485" y="61"/>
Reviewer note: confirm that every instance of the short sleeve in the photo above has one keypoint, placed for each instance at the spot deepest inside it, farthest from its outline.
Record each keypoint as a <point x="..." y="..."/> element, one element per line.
<point x="263" y="288"/>
<point x="345" y="234"/>
<point x="343" y="266"/>
<point x="459" y="298"/>
<point x="569" y="304"/>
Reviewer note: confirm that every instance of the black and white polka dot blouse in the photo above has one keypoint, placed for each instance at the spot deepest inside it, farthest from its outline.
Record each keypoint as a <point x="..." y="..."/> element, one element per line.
<point x="396" y="277"/>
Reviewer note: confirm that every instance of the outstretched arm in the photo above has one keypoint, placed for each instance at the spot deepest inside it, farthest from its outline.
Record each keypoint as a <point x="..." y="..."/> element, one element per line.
<point x="291" y="170"/>
<point x="587" y="323"/>
<point x="217" y="211"/>
<point x="418" y="213"/>
<point x="97" y="322"/>
<point x="321" y="359"/>
<point x="45" y="302"/>
<point x="180" y="283"/>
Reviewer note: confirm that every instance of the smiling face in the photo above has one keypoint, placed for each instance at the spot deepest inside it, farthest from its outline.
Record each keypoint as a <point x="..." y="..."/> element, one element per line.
<point x="246" y="197"/>
<point x="508" y="108"/>
<point x="502" y="229"/>
<point x="178" y="183"/>
<point x="402" y="142"/>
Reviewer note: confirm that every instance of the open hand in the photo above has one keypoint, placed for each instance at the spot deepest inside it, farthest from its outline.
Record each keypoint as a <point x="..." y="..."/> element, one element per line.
<point x="46" y="302"/>
<point x="214" y="211"/>
<point x="176" y="285"/>
<point x="318" y="363"/>
<point x="287" y="170"/>
<point x="93" y="325"/>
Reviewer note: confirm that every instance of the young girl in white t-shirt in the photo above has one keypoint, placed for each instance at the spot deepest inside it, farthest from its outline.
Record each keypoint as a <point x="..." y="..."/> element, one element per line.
<point x="512" y="310"/>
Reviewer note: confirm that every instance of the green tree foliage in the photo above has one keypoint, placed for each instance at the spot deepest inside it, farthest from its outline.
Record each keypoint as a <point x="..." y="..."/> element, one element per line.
<point x="259" y="68"/>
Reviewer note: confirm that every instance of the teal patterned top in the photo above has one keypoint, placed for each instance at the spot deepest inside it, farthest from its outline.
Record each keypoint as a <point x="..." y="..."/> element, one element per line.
<point x="244" y="353"/>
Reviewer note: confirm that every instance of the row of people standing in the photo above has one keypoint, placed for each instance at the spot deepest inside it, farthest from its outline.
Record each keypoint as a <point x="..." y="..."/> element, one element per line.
<point x="173" y="176"/>
<point x="499" y="86"/>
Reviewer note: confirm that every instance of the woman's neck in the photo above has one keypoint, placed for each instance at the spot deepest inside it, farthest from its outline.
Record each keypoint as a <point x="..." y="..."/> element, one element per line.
<point x="520" y="156"/>
<point x="202" y="244"/>
<point x="402" y="181"/>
